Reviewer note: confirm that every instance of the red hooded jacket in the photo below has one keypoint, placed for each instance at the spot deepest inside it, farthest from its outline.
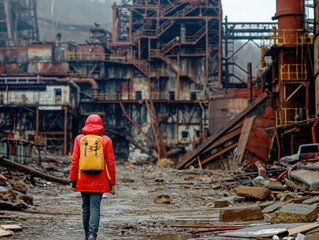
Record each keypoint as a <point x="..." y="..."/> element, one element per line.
<point x="88" y="182"/>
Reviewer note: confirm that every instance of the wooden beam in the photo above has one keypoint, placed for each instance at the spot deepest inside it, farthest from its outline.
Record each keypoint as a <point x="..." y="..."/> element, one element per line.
<point x="7" y="163"/>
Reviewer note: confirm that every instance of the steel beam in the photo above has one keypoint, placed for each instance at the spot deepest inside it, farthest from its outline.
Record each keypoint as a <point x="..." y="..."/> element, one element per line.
<point x="134" y="123"/>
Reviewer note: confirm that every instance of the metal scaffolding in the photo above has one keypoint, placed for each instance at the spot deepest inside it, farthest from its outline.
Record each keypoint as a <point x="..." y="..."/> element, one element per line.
<point x="18" y="22"/>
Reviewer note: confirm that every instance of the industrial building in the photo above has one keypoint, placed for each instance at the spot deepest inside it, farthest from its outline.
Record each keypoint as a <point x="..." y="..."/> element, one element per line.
<point x="165" y="83"/>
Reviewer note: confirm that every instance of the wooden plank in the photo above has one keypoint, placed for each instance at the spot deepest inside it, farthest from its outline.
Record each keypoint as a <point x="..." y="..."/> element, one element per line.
<point x="243" y="139"/>
<point x="4" y="233"/>
<point x="11" y="227"/>
<point x="302" y="229"/>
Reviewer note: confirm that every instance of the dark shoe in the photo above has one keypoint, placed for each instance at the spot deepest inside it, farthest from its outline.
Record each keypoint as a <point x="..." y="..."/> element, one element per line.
<point x="86" y="238"/>
<point x="91" y="237"/>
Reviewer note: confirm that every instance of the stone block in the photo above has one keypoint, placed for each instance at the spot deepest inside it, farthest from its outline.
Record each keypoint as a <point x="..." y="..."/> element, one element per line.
<point x="311" y="178"/>
<point x="240" y="214"/>
<point x="222" y="203"/>
<point x="253" y="192"/>
<point x="294" y="213"/>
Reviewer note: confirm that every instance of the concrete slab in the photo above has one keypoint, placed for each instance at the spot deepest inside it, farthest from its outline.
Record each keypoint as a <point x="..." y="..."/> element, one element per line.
<point x="311" y="178"/>
<point x="294" y="213"/>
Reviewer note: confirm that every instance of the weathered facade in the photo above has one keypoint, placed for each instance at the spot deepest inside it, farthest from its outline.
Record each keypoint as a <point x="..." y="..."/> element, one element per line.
<point x="160" y="82"/>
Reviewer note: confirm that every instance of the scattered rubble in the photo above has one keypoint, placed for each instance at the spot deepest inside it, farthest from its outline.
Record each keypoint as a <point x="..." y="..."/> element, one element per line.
<point x="163" y="199"/>
<point x="244" y="198"/>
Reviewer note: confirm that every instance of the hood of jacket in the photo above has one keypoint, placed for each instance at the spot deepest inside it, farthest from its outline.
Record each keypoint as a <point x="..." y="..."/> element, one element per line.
<point x="93" y="125"/>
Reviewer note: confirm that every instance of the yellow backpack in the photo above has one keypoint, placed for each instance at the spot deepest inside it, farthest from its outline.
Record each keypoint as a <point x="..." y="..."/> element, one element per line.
<point x="92" y="156"/>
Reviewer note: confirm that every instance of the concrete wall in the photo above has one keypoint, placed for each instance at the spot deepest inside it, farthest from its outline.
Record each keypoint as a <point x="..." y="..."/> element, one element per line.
<point x="50" y="96"/>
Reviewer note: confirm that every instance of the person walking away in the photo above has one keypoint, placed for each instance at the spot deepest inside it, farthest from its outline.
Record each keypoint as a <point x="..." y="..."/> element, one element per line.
<point x="92" y="171"/>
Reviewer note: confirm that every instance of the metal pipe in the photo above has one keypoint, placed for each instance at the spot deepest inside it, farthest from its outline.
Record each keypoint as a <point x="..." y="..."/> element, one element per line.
<point x="313" y="131"/>
<point x="78" y="91"/>
<point x="249" y="83"/>
<point x="114" y="35"/>
<point x="90" y="81"/>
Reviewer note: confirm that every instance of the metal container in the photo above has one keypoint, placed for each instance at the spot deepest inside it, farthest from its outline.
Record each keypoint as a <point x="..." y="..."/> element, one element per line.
<point x="290" y="18"/>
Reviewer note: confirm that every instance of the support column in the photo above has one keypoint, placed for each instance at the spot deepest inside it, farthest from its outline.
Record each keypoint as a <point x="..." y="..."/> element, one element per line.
<point x="114" y="35"/>
<point x="249" y="83"/>
<point x="207" y="55"/>
<point x="37" y="125"/>
<point x="7" y="10"/>
<point x="220" y="45"/>
<point x="178" y="77"/>
<point x="65" y="149"/>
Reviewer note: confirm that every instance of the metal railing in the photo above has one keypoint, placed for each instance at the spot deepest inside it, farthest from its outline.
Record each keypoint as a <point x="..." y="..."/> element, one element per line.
<point x="291" y="115"/>
<point x="171" y="96"/>
<point x="282" y="37"/>
<point x="83" y="56"/>
<point x="80" y="74"/>
<point x="293" y="72"/>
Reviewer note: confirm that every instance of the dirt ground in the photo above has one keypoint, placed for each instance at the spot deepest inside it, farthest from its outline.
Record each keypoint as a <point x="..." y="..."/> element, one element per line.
<point x="131" y="213"/>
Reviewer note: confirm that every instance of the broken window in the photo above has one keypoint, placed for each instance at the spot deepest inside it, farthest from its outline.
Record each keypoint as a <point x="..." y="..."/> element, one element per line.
<point x="184" y="134"/>
<point x="58" y="96"/>
<point x="197" y="133"/>
<point x="172" y="95"/>
<point x="138" y="95"/>
<point x="193" y="96"/>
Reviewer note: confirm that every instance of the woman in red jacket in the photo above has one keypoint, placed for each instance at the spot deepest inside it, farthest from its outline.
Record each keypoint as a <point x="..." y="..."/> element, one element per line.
<point x="92" y="186"/>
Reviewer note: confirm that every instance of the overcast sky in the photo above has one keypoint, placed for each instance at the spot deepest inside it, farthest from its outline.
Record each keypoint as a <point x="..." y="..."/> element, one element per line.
<point x="249" y="10"/>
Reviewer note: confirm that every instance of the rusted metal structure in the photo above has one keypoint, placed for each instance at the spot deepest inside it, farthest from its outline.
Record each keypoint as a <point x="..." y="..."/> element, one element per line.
<point x="276" y="129"/>
<point x="171" y="51"/>
<point x="160" y="80"/>
<point x="243" y="33"/>
<point x="292" y="73"/>
<point x="18" y="22"/>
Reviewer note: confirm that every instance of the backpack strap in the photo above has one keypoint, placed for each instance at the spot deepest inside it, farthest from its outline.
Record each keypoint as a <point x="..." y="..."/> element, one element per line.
<point x="106" y="168"/>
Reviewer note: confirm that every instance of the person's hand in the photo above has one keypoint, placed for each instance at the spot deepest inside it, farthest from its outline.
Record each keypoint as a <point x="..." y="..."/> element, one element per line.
<point x="73" y="184"/>
<point x="112" y="188"/>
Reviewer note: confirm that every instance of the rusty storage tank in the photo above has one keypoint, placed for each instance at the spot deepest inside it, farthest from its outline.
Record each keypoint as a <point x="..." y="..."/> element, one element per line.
<point x="290" y="15"/>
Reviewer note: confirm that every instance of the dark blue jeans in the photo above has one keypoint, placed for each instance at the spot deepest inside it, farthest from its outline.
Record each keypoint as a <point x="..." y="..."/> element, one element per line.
<point x="91" y="212"/>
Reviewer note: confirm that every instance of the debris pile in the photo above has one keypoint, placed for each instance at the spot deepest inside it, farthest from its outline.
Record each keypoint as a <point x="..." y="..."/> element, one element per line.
<point x="287" y="205"/>
<point x="14" y="185"/>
